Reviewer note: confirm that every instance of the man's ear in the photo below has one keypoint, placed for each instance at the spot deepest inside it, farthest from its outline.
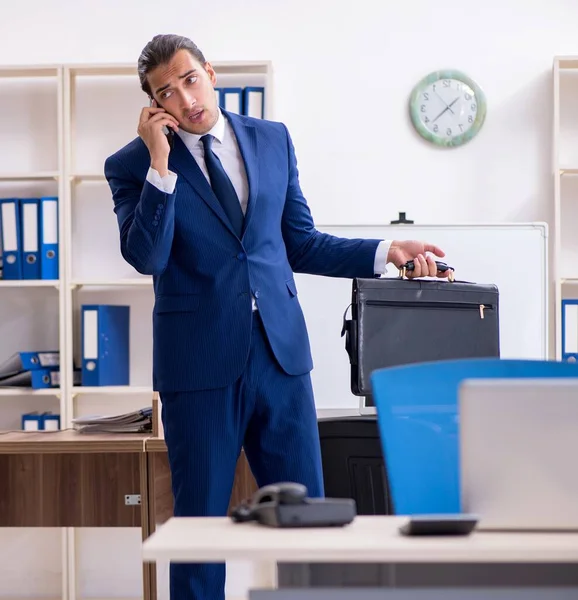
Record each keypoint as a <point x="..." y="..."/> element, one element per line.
<point x="211" y="73"/>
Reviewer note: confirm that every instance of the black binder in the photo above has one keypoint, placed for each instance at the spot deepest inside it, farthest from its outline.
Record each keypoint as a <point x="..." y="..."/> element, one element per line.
<point x="403" y="321"/>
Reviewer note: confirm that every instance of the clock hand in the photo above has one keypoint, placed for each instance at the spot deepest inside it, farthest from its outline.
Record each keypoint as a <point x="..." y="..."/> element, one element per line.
<point x="448" y="107"/>
<point x="443" y="111"/>
<point x="453" y="102"/>
<point x="445" y="103"/>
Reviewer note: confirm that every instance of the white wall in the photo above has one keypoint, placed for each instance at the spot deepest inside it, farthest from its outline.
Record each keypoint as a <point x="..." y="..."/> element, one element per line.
<point x="342" y="78"/>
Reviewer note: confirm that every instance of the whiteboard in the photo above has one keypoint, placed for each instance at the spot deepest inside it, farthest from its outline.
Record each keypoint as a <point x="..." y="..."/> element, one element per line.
<point x="479" y="253"/>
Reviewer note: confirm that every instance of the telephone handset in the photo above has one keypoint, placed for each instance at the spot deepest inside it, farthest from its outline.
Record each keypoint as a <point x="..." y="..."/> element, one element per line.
<point x="167" y="130"/>
<point x="286" y="504"/>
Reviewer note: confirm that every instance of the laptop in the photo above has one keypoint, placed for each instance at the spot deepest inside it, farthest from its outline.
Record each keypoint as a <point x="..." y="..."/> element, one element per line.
<point x="518" y="442"/>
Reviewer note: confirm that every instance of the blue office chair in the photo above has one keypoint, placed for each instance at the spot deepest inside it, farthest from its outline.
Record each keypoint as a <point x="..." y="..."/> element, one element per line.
<point x="417" y="413"/>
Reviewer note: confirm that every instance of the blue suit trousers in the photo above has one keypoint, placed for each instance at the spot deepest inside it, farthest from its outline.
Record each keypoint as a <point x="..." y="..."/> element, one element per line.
<point x="265" y="411"/>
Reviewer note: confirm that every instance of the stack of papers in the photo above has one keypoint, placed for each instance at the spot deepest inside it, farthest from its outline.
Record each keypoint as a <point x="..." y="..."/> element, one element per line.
<point x="138" y="421"/>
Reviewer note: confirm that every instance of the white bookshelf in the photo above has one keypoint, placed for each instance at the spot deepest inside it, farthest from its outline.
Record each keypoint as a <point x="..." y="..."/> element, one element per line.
<point x="66" y="120"/>
<point x="565" y="172"/>
<point x="31" y="143"/>
<point x="33" y="312"/>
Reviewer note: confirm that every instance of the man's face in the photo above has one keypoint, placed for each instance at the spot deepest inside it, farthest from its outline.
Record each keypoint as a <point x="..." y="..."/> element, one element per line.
<point x="186" y="90"/>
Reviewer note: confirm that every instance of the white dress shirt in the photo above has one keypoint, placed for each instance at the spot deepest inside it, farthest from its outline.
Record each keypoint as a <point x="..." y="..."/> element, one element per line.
<point x="226" y="148"/>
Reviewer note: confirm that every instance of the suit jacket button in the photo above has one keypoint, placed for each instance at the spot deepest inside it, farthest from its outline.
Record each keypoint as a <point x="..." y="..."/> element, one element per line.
<point x="256" y="294"/>
<point x="241" y="256"/>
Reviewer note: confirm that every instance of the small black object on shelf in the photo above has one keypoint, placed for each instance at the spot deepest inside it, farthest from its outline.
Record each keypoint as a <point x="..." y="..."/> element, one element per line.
<point x="401" y="220"/>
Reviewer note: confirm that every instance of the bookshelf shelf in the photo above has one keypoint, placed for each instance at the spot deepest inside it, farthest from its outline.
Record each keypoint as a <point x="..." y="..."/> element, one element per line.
<point x="112" y="390"/>
<point x="28" y="392"/>
<point x="99" y="70"/>
<point x="80" y="177"/>
<point x="30" y="71"/>
<point x="44" y="175"/>
<point x="113" y="283"/>
<point x="566" y="62"/>
<point x="31" y="283"/>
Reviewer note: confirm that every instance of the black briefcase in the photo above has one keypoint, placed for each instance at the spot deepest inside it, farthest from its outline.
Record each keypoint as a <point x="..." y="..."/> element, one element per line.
<point x="402" y="321"/>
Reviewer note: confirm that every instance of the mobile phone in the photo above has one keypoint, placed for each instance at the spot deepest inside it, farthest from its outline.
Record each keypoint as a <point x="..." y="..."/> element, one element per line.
<point x="170" y="133"/>
<point x="444" y="524"/>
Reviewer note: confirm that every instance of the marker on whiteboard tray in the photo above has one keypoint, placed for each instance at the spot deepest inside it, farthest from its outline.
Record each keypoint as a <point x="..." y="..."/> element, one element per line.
<point x="401" y="219"/>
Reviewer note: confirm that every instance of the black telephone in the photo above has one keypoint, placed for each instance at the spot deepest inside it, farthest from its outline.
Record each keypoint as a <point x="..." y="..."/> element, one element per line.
<point x="286" y="504"/>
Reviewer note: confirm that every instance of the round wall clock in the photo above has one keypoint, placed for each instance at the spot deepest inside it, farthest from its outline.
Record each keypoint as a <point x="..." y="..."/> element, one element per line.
<point x="447" y="108"/>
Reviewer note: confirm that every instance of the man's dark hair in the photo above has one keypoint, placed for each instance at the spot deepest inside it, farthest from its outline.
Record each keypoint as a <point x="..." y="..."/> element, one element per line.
<point x="159" y="51"/>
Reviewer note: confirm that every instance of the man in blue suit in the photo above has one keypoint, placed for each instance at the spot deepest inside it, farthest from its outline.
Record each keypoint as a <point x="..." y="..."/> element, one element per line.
<point x="215" y="213"/>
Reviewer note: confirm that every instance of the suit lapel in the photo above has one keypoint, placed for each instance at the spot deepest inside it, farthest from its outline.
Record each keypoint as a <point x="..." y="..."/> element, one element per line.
<point x="182" y="162"/>
<point x="247" y="142"/>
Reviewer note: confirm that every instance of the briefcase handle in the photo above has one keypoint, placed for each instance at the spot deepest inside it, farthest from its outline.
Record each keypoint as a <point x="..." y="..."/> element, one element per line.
<point x="441" y="266"/>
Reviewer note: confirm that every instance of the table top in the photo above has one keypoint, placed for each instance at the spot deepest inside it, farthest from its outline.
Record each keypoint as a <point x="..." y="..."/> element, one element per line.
<point x="69" y="441"/>
<point x="367" y="539"/>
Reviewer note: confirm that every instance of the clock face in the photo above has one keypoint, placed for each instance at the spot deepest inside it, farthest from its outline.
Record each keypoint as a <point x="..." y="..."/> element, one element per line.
<point x="447" y="108"/>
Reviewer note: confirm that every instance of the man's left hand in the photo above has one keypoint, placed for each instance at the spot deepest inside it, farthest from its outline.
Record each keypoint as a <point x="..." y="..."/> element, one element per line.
<point x="401" y="251"/>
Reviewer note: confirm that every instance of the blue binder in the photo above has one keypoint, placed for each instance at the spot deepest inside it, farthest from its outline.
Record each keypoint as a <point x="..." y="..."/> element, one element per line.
<point x="50" y="421"/>
<point x="570" y="330"/>
<point x="254" y="102"/>
<point x="105" y="344"/>
<point x="32" y="421"/>
<point x="28" y="361"/>
<point x="232" y="99"/>
<point x="37" y="379"/>
<point x="44" y="378"/>
<point x="36" y="421"/>
<point x="30" y="226"/>
<point x="49" y="237"/>
<point x="10" y="238"/>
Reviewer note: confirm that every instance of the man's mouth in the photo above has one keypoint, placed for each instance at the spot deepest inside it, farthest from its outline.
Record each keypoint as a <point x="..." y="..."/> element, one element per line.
<point x="196" y="115"/>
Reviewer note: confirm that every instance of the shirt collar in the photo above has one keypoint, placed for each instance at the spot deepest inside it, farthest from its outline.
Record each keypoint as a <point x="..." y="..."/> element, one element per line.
<point x="218" y="131"/>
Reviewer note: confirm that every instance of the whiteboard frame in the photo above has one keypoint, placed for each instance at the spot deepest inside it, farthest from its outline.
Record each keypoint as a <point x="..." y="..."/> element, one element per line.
<point x="540" y="225"/>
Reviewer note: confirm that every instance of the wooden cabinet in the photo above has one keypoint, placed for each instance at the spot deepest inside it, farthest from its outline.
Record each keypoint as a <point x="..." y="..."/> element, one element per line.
<point x="64" y="479"/>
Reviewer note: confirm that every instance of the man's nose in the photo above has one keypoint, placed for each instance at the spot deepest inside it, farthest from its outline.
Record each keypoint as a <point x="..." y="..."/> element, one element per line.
<point x="187" y="100"/>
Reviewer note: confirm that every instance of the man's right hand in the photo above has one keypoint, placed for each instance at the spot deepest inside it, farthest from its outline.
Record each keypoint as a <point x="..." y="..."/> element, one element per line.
<point x="150" y="129"/>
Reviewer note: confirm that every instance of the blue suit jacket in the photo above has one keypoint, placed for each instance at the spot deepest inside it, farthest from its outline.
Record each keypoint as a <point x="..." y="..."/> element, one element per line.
<point x="204" y="275"/>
